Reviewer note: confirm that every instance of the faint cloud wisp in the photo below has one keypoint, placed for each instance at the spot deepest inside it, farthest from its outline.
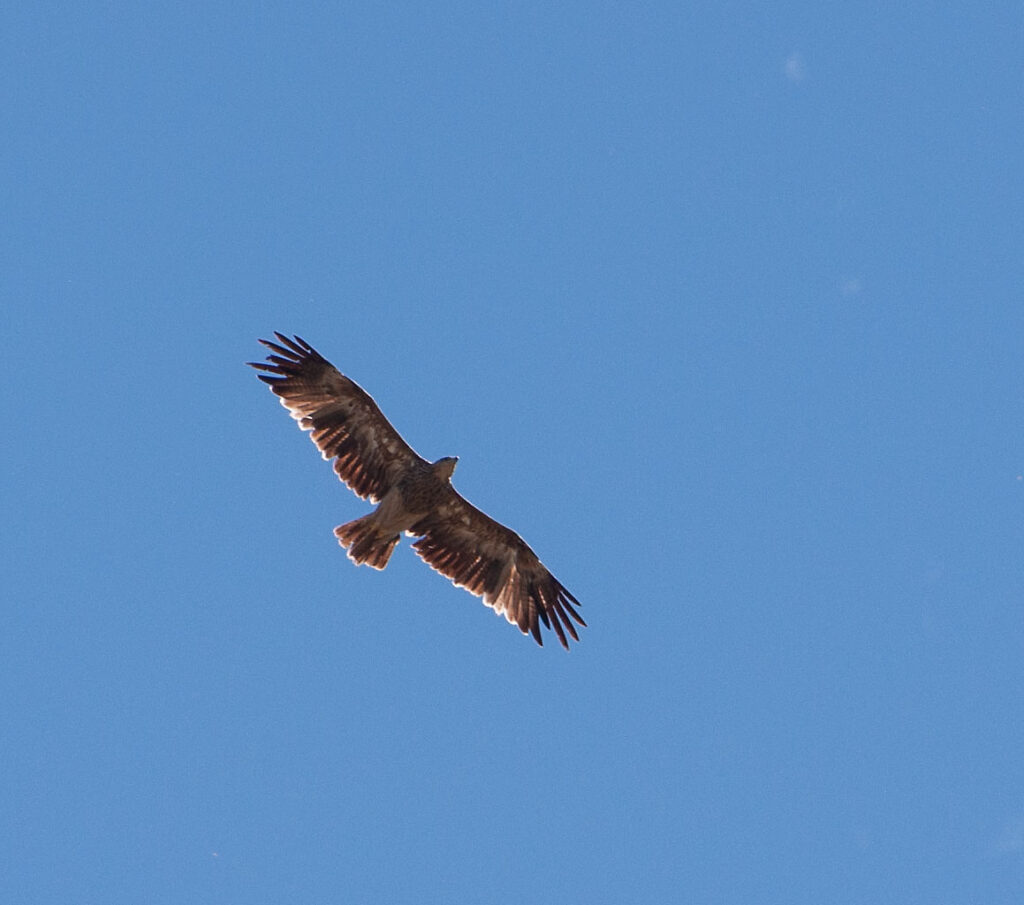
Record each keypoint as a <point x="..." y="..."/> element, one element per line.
<point x="850" y="286"/>
<point x="794" y="68"/>
<point x="1011" y="840"/>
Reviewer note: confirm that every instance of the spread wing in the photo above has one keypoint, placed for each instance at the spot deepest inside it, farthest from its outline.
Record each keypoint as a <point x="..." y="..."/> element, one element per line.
<point x="493" y="562"/>
<point x="369" y="454"/>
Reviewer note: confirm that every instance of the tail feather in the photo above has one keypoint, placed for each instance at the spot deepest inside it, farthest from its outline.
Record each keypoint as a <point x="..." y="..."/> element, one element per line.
<point x="364" y="543"/>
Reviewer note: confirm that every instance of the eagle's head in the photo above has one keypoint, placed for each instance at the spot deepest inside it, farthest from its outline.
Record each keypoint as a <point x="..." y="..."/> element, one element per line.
<point x="445" y="467"/>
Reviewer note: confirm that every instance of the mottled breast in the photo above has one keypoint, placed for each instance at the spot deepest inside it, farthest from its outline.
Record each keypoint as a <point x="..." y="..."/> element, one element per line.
<point x="422" y="490"/>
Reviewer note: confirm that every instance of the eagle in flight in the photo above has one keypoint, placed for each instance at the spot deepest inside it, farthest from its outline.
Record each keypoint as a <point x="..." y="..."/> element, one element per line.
<point x="415" y="496"/>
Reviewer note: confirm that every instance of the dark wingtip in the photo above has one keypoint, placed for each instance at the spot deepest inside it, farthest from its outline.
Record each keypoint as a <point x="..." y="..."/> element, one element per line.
<point x="560" y="633"/>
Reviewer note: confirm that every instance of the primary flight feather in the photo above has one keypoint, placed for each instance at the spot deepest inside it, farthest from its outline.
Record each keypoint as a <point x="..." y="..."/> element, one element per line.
<point x="414" y="496"/>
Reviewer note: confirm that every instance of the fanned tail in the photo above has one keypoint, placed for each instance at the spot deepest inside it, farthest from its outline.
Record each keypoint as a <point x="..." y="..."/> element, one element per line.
<point x="364" y="543"/>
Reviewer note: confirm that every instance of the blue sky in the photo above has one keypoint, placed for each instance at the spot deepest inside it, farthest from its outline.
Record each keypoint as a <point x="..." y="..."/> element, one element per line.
<point x="720" y="306"/>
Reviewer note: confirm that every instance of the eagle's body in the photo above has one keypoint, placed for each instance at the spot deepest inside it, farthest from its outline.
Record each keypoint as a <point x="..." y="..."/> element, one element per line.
<point x="414" y="496"/>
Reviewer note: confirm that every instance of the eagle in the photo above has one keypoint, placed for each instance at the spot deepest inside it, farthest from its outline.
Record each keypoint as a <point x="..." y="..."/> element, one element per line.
<point x="413" y="495"/>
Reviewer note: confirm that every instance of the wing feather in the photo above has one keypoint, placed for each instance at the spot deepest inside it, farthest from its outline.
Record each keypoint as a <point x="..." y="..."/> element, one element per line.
<point x="343" y="420"/>
<point x="493" y="562"/>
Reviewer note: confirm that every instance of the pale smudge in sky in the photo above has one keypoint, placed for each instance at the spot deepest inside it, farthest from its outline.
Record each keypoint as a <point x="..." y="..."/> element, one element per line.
<point x="850" y="286"/>
<point x="1011" y="839"/>
<point x="794" y="68"/>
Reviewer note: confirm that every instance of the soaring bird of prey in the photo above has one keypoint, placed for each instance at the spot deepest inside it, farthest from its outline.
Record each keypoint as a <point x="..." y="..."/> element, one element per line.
<point x="414" y="496"/>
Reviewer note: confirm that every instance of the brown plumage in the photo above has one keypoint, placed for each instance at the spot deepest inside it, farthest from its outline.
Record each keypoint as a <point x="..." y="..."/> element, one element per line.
<point x="415" y="496"/>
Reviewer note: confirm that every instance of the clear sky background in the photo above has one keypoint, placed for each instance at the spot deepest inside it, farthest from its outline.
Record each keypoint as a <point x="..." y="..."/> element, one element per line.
<point x="720" y="305"/>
